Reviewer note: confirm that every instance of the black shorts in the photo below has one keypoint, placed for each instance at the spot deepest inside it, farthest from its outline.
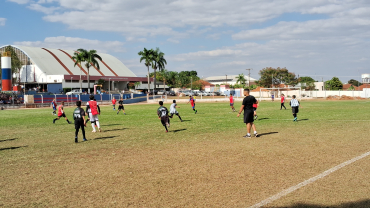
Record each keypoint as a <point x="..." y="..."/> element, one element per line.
<point x="254" y="109"/>
<point x="121" y="107"/>
<point x="165" y="120"/>
<point x="79" y="123"/>
<point x="248" y="116"/>
<point x="295" y="109"/>
<point x="63" y="115"/>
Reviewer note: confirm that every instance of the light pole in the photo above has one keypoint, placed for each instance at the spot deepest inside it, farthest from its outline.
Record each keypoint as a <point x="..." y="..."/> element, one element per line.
<point x="71" y="83"/>
<point x="109" y="85"/>
<point x="80" y="82"/>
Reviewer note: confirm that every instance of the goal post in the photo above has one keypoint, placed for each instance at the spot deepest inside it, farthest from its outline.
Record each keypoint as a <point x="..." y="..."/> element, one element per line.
<point x="287" y="91"/>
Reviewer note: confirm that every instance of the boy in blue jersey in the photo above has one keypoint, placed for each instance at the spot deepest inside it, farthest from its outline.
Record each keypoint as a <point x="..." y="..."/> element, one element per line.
<point x="54" y="106"/>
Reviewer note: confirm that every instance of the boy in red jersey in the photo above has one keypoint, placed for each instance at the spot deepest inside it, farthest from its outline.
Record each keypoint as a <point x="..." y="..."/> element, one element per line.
<point x="114" y="103"/>
<point x="54" y="106"/>
<point x="255" y="106"/>
<point x="192" y="102"/>
<point x="232" y="102"/>
<point x="61" y="113"/>
<point x="92" y="107"/>
<point x="282" y="101"/>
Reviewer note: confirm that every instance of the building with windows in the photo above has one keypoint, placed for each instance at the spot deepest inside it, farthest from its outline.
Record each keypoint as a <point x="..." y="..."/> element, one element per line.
<point x="52" y="70"/>
<point x="228" y="80"/>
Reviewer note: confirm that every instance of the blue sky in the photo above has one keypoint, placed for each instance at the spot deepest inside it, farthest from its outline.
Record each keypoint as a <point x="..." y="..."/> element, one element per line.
<point x="317" y="38"/>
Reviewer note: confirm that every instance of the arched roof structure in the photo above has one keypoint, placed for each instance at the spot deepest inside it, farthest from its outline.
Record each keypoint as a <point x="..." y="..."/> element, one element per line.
<point x="59" y="62"/>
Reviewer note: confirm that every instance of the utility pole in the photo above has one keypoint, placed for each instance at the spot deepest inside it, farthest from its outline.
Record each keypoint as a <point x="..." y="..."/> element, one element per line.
<point x="226" y="78"/>
<point x="249" y="77"/>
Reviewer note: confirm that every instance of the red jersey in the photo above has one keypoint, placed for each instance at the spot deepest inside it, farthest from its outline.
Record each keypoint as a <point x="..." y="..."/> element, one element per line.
<point x="255" y="105"/>
<point x="114" y="101"/>
<point x="192" y="102"/>
<point x="60" y="110"/>
<point x="231" y="99"/>
<point x="93" y="107"/>
<point x="282" y="99"/>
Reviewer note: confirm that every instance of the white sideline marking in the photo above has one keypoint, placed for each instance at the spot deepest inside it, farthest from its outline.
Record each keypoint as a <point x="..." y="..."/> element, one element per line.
<point x="306" y="182"/>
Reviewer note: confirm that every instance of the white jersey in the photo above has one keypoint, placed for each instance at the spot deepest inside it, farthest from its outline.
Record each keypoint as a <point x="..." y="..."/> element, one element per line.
<point x="294" y="103"/>
<point x="173" y="108"/>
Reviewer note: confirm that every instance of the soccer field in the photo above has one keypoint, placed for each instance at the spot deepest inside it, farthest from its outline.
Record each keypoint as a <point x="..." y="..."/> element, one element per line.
<point x="201" y="162"/>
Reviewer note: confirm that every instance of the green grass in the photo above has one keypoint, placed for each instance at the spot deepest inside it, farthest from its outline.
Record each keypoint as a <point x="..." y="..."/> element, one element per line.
<point x="133" y="162"/>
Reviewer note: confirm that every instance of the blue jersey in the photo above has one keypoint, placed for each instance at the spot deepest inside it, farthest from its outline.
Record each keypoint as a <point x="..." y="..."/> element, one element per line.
<point x="54" y="105"/>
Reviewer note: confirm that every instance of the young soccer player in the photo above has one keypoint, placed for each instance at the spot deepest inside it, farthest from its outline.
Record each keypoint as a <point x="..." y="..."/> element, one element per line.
<point x="174" y="111"/>
<point x="61" y="113"/>
<point x="255" y="106"/>
<point x="232" y="102"/>
<point x="80" y="122"/>
<point x="54" y="106"/>
<point x="120" y="106"/>
<point x="114" y="103"/>
<point x="162" y="113"/>
<point x="192" y="102"/>
<point x="93" y="109"/>
<point x="247" y="106"/>
<point x="272" y="97"/>
<point x="294" y="103"/>
<point x="282" y="101"/>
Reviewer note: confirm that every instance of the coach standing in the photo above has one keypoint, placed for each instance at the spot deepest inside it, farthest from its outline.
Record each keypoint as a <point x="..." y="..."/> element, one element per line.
<point x="247" y="106"/>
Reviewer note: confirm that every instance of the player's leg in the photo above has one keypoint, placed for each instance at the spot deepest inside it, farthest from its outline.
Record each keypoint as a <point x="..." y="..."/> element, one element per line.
<point x="123" y="110"/>
<point x="179" y="116"/>
<point x="67" y="119"/>
<point x="97" y="122"/>
<point x="83" y="132"/>
<point x="255" y="130"/>
<point x="92" y="120"/>
<point x="77" y="127"/>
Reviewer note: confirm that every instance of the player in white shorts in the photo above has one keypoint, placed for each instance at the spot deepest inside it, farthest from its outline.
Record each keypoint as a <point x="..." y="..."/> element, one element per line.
<point x="92" y="107"/>
<point x="174" y="111"/>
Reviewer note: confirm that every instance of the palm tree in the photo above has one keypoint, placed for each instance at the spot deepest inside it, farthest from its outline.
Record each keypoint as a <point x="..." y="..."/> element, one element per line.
<point x="158" y="63"/>
<point x="89" y="57"/>
<point x="241" y="79"/>
<point x="78" y="59"/>
<point x="148" y="57"/>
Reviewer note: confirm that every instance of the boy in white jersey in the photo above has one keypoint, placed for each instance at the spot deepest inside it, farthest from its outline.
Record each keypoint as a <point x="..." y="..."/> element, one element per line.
<point x="174" y="111"/>
<point x="294" y="103"/>
<point x="93" y="109"/>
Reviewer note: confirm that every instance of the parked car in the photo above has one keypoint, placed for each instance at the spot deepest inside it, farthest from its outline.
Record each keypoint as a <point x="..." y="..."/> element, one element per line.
<point x="151" y="92"/>
<point x="74" y="92"/>
<point x="161" y="92"/>
<point x="203" y="93"/>
<point x="172" y="93"/>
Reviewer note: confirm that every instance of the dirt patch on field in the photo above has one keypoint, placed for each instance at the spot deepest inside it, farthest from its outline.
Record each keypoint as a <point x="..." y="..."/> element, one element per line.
<point x="343" y="97"/>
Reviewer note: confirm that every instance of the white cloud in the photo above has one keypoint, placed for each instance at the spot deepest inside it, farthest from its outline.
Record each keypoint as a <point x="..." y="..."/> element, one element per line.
<point x="72" y="43"/>
<point x="40" y="8"/>
<point x="20" y="1"/>
<point x="2" y="21"/>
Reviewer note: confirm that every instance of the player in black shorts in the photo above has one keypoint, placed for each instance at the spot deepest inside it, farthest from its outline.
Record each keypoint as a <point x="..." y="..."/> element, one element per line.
<point x="247" y="106"/>
<point x="162" y="113"/>
<point x="80" y="122"/>
<point x="120" y="106"/>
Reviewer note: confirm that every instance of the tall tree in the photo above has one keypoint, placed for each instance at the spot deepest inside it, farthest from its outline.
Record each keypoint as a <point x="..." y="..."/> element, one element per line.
<point x="148" y="57"/>
<point x="334" y="84"/>
<point x="241" y="79"/>
<point x="89" y="57"/>
<point x="354" y="82"/>
<point x="270" y="77"/>
<point x="159" y="63"/>
<point x="78" y="59"/>
<point x="307" y="83"/>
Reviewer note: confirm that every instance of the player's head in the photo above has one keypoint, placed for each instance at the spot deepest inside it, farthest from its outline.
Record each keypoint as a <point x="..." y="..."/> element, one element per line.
<point x="246" y="91"/>
<point x="160" y="102"/>
<point x="121" y="98"/>
<point x="189" y="96"/>
<point x="293" y="96"/>
<point x="174" y="101"/>
<point x="78" y="103"/>
<point x="62" y="102"/>
<point x="91" y="97"/>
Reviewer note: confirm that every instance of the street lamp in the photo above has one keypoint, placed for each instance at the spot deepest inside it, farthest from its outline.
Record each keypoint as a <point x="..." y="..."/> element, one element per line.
<point x="109" y="85"/>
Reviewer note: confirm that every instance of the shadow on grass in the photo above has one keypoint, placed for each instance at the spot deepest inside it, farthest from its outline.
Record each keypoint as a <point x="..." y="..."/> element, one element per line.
<point x="185" y="120"/>
<point x="114" y="129"/>
<point x="111" y="124"/>
<point x="8" y="148"/>
<point x="356" y="204"/>
<point x="177" y="130"/>
<point x="107" y="137"/>
<point x="5" y="140"/>
<point x="261" y="119"/>
<point x="267" y="133"/>
<point x="305" y="119"/>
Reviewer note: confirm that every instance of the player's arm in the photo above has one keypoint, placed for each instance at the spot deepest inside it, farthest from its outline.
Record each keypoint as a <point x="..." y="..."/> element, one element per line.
<point x="241" y="110"/>
<point x="61" y="109"/>
<point x="159" y="114"/>
<point x="87" y="107"/>
<point x="98" y="109"/>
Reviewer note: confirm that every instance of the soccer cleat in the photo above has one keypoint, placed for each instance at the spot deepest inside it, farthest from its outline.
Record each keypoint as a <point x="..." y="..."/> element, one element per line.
<point x="93" y="131"/>
<point x="166" y="131"/>
<point x="247" y="136"/>
<point x="124" y="113"/>
<point x="181" y="120"/>
<point x="255" y="117"/>
<point x="196" y="111"/>
<point x="99" y="129"/>
<point x="295" y="119"/>
<point x="76" y="140"/>
<point x="85" y="140"/>
<point x="256" y="135"/>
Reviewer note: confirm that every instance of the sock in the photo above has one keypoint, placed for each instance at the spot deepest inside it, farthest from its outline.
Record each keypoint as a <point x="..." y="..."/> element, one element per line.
<point x="255" y="132"/>
<point x="93" y="125"/>
<point x="180" y="117"/>
<point x="166" y="128"/>
<point x="248" y="134"/>
<point x="98" y="124"/>
<point x="67" y="121"/>
<point x="76" y="133"/>
<point x="54" y="120"/>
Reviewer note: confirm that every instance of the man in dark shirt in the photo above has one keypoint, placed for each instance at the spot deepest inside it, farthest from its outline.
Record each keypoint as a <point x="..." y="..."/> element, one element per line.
<point x="120" y="106"/>
<point x="247" y="106"/>
<point x="80" y="122"/>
